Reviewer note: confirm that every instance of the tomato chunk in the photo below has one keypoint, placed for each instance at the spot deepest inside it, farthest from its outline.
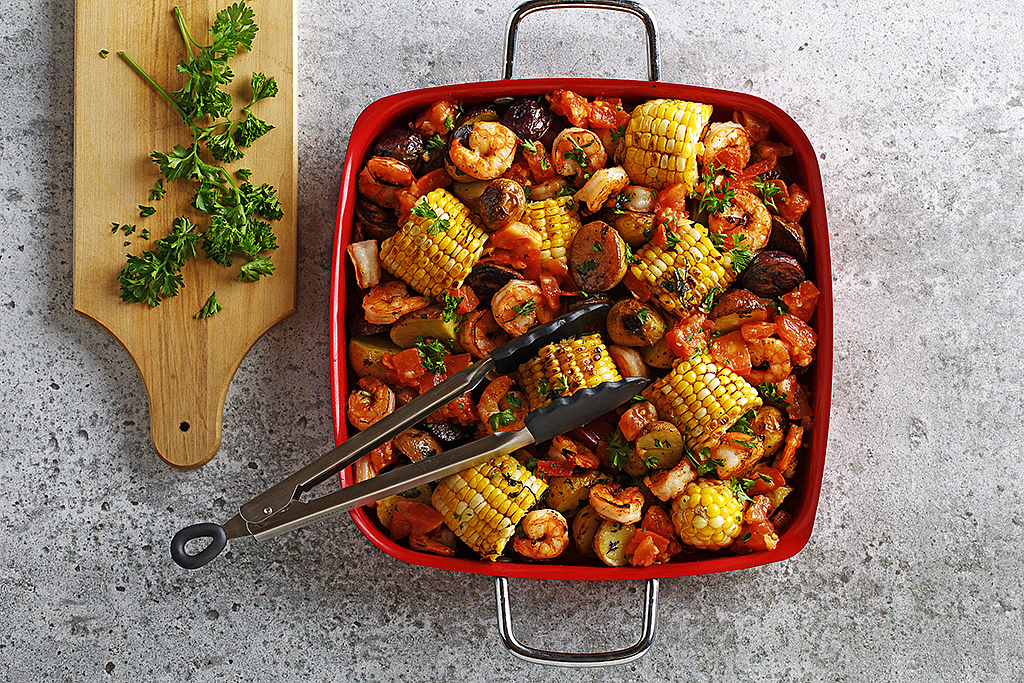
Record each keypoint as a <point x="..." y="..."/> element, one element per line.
<point x="731" y="350"/>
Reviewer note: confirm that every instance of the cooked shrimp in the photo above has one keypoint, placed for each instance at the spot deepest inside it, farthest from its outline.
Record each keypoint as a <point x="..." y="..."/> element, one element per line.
<point x="737" y="453"/>
<point x="564" y="449"/>
<point x="480" y="333"/>
<point x="520" y="305"/>
<point x="637" y="199"/>
<point x="577" y="150"/>
<point x="387" y="302"/>
<point x="439" y="118"/>
<point x="500" y="408"/>
<point x="746" y="216"/>
<point x="440" y="541"/>
<point x="488" y="150"/>
<point x="725" y="145"/>
<point x="416" y="444"/>
<point x="601" y="186"/>
<point x="372" y="401"/>
<point x="669" y="484"/>
<point x="381" y="178"/>
<point x="542" y="535"/>
<point x="769" y="360"/>
<point x="670" y="205"/>
<point x="548" y="189"/>
<point x="622" y="504"/>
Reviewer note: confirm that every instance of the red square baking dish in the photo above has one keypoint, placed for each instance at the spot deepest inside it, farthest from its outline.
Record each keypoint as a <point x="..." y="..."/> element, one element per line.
<point x="396" y="111"/>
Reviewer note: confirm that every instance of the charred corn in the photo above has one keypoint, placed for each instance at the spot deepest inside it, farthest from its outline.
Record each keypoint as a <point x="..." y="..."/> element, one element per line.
<point x="557" y="220"/>
<point x="707" y="515"/>
<point x="703" y="399"/>
<point x="687" y="272"/>
<point x="662" y="142"/>
<point x="483" y="504"/>
<point x="437" y="247"/>
<point x="565" y="367"/>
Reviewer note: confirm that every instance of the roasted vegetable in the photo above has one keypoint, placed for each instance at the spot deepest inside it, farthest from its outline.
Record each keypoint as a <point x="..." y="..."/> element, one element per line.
<point x="401" y="144"/>
<point x="437" y="248"/>
<point x="736" y="308"/>
<point x="634" y="323"/>
<point x="527" y="119"/>
<point x="501" y="203"/>
<point x="610" y="541"/>
<point x="557" y="221"/>
<point x="366" y="355"/>
<point x="568" y="494"/>
<point x="482" y="505"/>
<point x="662" y="142"/>
<point x="703" y="399"/>
<point x="788" y="237"/>
<point x="426" y="323"/>
<point x="565" y="367"/>
<point x="708" y="515"/>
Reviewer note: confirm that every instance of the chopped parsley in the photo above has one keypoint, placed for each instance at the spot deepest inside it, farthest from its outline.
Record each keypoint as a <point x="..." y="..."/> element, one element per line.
<point x="768" y="190"/>
<point x="501" y="419"/>
<point x="618" y="450"/>
<point x="432" y="354"/>
<point x="425" y="210"/>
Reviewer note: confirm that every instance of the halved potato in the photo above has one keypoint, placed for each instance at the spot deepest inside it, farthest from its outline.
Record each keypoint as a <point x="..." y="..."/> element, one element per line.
<point x="584" y="526"/>
<point x="660" y="445"/>
<point x="610" y="541"/>
<point x="568" y="494"/>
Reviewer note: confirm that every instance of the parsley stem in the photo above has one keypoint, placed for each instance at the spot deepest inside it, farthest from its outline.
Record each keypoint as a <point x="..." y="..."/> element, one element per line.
<point x="186" y="36"/>
<point x="156" y="86"/>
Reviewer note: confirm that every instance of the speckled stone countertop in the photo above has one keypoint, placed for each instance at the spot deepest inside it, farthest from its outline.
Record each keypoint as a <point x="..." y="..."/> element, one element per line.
<point x="913" y="572"/>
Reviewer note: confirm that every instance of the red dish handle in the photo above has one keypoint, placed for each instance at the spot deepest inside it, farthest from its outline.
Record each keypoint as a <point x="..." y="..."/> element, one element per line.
<point x="577" y="659"/>
<point x="531" y="6"/>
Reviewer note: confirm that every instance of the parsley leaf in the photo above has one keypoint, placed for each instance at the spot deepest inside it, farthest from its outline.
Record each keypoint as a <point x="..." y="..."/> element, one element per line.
<point x="211" y="307"/>
<point x="432" y="354"/>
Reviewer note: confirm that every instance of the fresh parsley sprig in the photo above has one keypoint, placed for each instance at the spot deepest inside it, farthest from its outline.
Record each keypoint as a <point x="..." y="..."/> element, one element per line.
<point x="239" y="213"/>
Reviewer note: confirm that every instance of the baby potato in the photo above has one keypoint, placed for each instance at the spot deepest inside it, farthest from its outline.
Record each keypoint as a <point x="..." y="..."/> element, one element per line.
<point x="658" y="355"/>
<point x="635" y="228"/>
<point x="633" y="323"/>
<point x="610" y="541"/>
<point x="770" y="425"/>
<point x="584" y="526"/>
<point x="660" y="445"/>
<point x="568" y="494"/>
<point x="366" y="355"/>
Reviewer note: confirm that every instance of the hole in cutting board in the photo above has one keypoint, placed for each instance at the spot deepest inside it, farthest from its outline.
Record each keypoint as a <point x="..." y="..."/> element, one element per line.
<point x="184" y="426"/>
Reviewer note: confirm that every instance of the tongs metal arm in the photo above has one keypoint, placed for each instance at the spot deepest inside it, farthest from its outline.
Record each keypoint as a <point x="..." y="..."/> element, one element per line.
<point x="274" y="500"/>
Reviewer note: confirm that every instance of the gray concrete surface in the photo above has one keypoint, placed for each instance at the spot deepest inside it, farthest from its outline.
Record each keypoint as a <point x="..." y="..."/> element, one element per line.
<point x="913" y="571"/>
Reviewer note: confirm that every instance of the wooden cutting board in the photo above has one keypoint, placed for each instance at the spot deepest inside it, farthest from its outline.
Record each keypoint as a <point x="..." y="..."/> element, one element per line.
<point x="186" y="363"/>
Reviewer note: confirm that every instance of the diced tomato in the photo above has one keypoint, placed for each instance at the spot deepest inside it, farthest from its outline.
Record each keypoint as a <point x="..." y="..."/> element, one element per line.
<point x="796" y="332"/>
<point x="748" y="175"/>
<point x="406" y="365"/>
<point x="645" y="547"/>
<point x="802" y="301"/>
<point x="636" y="418"/>
<point x="551" y="292"/>
<point x="773" y="151"/>
<point x="431" y="181"/>
<point x="757" y="330"/>
<point x="689" y="335"/>
<point x="414" y="519"/>
<point x="607" y="113"/>
<point x="555" y="468"/>
<point x="760" y="485"/>
<point x="797" y="398"/>
<point x="383" y="455"/>
<point x="456" y="362"/>
<point x="731" y="350"/>
<point x="658" y="521"/>
<point x="469" y="299"/>
<point x="570" y="105"/>
<point x="520" y="171"/>
<point x="758" y="532"/>
<point x="517" y="245"/>
<point x="637" y="287"/>
<point x="795" y="205"/>
<point x="669" y="207"/>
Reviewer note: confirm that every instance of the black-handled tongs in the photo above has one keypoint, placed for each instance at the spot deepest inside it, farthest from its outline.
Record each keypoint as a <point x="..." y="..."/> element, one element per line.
<point x="279" y="509"/>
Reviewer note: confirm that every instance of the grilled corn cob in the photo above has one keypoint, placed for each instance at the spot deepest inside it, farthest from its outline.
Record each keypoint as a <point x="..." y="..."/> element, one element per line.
<point x="702" y="398"/>
<point x="483" y="504"/>
<point x="565" y="367"/>
<point x="662" y="142"/>
<point x="437" y="247"/>
<point x="687" y="271"/>
<point x="707" y="515"/>
<point x="557" y="220"/>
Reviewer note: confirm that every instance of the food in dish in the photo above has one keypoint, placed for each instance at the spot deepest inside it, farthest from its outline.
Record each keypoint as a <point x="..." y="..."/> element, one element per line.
<point x="475" y="224"/>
